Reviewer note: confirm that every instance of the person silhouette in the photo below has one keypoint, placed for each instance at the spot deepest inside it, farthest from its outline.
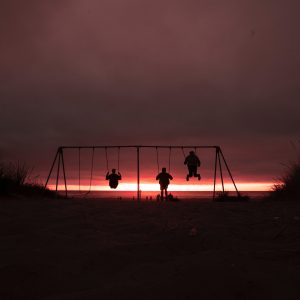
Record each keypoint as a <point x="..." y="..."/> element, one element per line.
<point x="113" y="178"/>
<point x="164" y="181"/>
<point x="193" y="162"/>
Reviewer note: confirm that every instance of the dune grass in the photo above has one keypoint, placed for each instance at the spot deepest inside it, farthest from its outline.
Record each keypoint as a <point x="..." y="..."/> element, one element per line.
<point x="16" y="179"/>
<point x="288" y="186"/>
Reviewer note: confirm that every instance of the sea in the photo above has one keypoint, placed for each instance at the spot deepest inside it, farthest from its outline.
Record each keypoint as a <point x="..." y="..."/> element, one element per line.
<point x="145" y="195"/>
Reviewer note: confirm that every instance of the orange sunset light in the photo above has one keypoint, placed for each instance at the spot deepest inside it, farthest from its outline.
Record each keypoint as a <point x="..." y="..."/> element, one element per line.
<point x="127" y="186"/>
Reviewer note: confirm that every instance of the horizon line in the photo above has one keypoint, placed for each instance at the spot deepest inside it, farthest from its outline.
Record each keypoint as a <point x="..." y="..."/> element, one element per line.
<point x="148" y="187"/>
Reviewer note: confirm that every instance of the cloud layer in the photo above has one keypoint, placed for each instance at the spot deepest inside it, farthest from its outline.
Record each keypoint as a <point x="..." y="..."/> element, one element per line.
<point x="115" y="72"/>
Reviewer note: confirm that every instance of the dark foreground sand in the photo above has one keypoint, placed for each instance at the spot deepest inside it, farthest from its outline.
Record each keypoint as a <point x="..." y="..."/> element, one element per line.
<point x="96" y="249"/>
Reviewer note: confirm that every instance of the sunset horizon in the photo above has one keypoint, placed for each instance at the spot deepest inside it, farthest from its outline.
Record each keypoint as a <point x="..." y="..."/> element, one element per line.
<point x="149" y="149"/>
<point x="146" y="186"/>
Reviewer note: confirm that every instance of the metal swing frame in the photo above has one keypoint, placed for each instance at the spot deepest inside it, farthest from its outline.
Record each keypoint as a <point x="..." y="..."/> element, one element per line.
<point x="219" y="158"/>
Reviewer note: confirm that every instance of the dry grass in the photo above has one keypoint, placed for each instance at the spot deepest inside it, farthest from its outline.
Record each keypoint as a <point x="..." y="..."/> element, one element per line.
<point x="288" y="186"/>
<point x="15" y="178"/>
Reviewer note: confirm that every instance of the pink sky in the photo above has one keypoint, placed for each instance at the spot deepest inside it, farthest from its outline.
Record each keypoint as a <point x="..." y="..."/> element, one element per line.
<point x="151" y="72"/>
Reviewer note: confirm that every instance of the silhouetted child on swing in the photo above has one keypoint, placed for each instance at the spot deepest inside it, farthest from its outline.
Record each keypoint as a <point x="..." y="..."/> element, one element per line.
<point x="113" y="178"/>
<point x="164" y="180"/>
<point x="193" y="162"/>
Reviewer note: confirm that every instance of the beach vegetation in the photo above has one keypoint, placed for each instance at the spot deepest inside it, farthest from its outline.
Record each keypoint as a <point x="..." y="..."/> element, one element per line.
<point x="288" y="185"/>
<point x="16" y="179"/>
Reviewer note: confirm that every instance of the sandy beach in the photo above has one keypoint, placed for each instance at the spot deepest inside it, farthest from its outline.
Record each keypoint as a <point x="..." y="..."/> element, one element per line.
<point x="100" y="249"/>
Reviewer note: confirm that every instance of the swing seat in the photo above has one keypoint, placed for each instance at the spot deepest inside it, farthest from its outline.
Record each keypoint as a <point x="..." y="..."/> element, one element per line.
<point x="113" y="184"/>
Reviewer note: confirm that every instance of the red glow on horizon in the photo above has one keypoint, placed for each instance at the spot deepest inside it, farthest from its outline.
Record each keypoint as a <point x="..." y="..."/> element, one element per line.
<point x="129" y="186"/>
<point x="78" y="177"/>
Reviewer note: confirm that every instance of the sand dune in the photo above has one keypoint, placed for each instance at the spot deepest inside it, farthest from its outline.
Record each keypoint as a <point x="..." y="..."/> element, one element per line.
<point x="91" y="249"/>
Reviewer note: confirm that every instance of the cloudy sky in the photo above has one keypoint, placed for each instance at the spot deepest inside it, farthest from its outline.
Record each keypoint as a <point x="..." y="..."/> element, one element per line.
<point x="151" y="72"/>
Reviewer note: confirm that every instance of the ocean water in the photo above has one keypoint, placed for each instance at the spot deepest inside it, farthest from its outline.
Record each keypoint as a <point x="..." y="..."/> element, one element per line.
<point x="152" y="195"/>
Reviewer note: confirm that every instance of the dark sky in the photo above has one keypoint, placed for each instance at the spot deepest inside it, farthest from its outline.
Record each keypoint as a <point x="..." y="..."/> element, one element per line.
<point x="146" y="72"/>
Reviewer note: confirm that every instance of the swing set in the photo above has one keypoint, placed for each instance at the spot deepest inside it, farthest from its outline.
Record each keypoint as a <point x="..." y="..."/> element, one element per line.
<point x="60" y="162"/>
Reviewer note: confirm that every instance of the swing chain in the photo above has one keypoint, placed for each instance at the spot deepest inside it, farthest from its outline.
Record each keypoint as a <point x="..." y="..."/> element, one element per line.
<point x="106" y="156"/>
<point x="183" y="152"/>
<point x="92" y="169"/>
<point x="79" y="169"/>
<point x="157" y="159"/>
<point x="118" y="159"/>
<point x="170" y="152"/>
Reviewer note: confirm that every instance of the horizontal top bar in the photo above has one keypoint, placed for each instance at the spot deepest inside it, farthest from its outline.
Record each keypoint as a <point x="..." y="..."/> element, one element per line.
<point x="137" y="146"/>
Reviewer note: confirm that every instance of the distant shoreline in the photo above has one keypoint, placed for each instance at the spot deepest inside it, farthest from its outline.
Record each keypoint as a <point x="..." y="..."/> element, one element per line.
<point x="148" y="195"/>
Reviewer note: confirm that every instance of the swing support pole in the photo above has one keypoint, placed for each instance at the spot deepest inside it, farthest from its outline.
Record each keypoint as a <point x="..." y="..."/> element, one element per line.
<point x="215" y="174"/>
<point x="220" y="167"/>
<point x="64" y="172"/>
<point x="229" y="172"/>
<point x="58" y="169"/>
<point x="59" y="161"/>
<point x="52" y="166"/>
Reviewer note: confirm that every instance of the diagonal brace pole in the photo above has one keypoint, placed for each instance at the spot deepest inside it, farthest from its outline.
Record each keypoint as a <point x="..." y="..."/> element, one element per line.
<point x="221" y="172"/>
<point x="64" y="171"/>
<point x="215" y="174"/>
<point x="52" y="166"/>
<point x="229" y="172"/>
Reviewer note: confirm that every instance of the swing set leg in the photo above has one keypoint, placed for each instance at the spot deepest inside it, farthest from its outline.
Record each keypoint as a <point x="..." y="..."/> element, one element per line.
<point x="60" y="158"/>
<point x="229" y="172"/>
<point x="52" y="166"/>
<point x="138" y="174"/>
<point x="58" y="170"/>
<point x="64" y="173"/>
<point x="215" y="174"/>
<point x="221" y="173"/>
